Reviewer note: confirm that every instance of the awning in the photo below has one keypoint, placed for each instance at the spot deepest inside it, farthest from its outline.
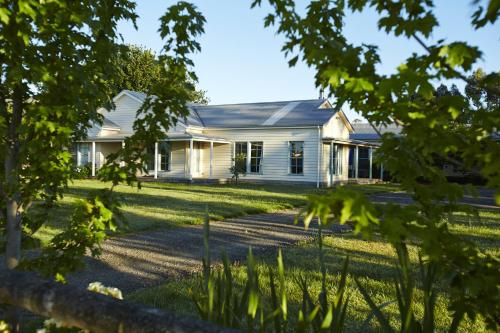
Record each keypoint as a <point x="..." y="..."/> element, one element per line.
<point x="350" y="142"/>
<point x="170" y="137"/>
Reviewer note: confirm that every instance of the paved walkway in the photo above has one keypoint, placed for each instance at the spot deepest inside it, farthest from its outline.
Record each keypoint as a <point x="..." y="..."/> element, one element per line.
<point x="140" y="260"/>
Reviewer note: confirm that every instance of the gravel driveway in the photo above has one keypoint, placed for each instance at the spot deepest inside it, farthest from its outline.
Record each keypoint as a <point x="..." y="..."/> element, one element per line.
<point x="141" y="260"/>
<point x="146" y="259"/>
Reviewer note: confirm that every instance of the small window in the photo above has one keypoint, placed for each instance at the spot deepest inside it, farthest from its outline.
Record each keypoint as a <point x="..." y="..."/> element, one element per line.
<point x="241" y="148"/>
<point x="164" y="156"/>
<point x="296" y="157"/>
<point x="256" y="153"/>
<point x="150" y="158"/>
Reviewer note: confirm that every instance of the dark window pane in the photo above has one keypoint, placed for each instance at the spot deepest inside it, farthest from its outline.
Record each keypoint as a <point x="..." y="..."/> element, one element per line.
<point x="296" y="156"/>
<point x="164" y="151"/>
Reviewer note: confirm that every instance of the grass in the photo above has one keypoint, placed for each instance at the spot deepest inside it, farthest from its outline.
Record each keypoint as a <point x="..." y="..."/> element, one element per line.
<point x="371" y="261"/>
<point x="167" y="205"/>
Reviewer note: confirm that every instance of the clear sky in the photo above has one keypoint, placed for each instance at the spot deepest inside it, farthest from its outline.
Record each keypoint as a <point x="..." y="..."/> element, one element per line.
<point x="241" y="61"/>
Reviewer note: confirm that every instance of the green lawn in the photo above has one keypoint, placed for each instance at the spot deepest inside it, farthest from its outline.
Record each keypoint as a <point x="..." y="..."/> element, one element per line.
<point x="166" y="205"/>
<point x="371" y="261"/>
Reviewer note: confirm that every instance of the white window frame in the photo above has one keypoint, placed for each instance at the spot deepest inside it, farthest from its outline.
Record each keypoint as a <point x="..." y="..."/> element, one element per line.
<point x="249" y="156"/>
<point x="289" y="158"/>
<point x="158" y="158"/>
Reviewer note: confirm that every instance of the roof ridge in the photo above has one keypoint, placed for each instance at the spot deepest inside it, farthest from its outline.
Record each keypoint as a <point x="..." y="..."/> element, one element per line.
<point x="320" y="101"/>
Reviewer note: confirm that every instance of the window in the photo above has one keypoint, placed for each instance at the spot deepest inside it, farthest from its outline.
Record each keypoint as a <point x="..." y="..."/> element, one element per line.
<point x="164" y="156"/>
<point x="336" y="161"/>
<point x="241" y="148"/>
<point x="256" y="152"/>
<point x="296" y="157"/>
<point x="84" y="154"/>
<point x="150" y="158"/>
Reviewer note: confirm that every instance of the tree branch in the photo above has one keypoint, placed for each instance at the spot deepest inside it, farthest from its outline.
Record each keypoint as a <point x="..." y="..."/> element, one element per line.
<point x="92" y="311"/>
<point x="491" y="90"/>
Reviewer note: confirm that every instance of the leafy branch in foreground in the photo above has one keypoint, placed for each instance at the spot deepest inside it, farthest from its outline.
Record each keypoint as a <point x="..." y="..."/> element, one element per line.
<point x="434" y="128"/>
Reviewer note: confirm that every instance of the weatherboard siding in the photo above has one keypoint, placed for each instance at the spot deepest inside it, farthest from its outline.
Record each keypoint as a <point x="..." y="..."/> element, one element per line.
<point x="177" y="161"/>
<point x="124" y="113"/>
<point x="275" y="163"/>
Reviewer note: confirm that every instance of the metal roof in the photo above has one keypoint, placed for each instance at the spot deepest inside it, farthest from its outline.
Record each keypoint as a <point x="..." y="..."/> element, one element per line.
<point x="351" y="142"/>
<point x="365" y="132"/>
<point x="267" y="114"/>
<point x="109" y="124"/>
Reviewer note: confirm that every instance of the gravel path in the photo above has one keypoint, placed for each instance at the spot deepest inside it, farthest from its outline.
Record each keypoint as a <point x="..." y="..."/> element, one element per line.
<point x="485" y="198"/>
<point x="141" y="260"/>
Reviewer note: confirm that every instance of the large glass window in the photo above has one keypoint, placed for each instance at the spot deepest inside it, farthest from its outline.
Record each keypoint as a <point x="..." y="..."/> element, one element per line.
<point x="296" y="157"/>
<point x="164" y="156"/>
<point x="241" y="148"/>
<point x="337" y="160"/>
<point x="84" y="152"/>
<point x="150" y="158"/>
<point x="364" y="162"/>
<point x="256" y="153"/>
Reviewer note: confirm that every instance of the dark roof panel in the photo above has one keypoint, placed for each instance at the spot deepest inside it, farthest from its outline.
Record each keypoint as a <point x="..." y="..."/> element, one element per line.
<point x="269" y="114"/>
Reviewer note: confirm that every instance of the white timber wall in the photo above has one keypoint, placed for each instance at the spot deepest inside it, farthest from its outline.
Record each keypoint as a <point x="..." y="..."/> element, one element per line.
<point x="124" y="113"/>
<point x="275" y="162"/>
<point x="177" y="161"/>
<point x="337" y="128"/>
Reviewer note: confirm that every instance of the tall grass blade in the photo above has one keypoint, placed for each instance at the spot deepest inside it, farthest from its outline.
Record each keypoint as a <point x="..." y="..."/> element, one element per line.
<point x="375" y="310"/>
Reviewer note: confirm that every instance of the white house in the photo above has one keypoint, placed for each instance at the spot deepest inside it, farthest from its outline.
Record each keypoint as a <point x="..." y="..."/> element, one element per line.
<point x="303" y="141"/>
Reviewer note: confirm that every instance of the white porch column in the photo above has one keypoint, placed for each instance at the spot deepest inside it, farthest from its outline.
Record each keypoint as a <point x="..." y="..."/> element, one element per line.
<point x="332" y="167"/>
<point x="249" y="155"/>
<point x="156" y="161"/>
<point x="320" y="148"/>
<point x="190" y="161"/>
<point x="356" y="162"/>
<point x="211" y="157"/>
<point x="381" y="171"/>
<point x="122" y="163"/>
<point x="371" y="161"/>
<point x="93" y="158"/>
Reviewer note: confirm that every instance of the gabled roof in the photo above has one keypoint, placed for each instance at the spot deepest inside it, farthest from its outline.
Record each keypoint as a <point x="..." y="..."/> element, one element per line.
<point x="268" y="114"/>
<point x="106" y="123"/>
<point x="313" y="112"/>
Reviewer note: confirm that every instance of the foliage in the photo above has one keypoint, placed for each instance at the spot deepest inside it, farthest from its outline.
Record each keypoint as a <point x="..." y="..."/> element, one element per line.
<point x="351" y="74"/>
<point x="82" y="172"/>
<point x="218" y="298"/>
<point x="138" y="69"/>
<point x="54" y="71"/>
<point x="239" y="167"/>
<point x="405" y="291"/>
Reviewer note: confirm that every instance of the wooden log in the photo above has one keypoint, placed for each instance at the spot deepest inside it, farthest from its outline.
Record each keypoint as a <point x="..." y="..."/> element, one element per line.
<point x="92" y="311"/>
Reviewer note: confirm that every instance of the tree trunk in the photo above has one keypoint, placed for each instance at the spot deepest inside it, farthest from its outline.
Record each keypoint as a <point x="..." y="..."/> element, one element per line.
<point x="12" y="195"/>
<point x="13" y="246"/>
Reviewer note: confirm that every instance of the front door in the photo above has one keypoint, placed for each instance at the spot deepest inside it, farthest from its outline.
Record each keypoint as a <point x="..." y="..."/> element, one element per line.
<point x="197" y="156"/>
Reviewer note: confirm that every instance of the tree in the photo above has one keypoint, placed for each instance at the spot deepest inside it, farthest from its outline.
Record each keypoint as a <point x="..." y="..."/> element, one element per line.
<point x="407" y="96"/>
<point x="138" y="69"/>
<point x="54" y="66"/>
<point x="239" y="167"/>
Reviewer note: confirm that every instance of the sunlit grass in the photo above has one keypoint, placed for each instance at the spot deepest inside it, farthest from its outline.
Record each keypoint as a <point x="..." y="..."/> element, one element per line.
<point x="371" y="261"/>
<point x="167" y="205"/>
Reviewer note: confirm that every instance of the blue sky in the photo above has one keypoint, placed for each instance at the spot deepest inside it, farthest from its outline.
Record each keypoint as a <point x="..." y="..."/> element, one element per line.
<point x="241" y="61"/>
